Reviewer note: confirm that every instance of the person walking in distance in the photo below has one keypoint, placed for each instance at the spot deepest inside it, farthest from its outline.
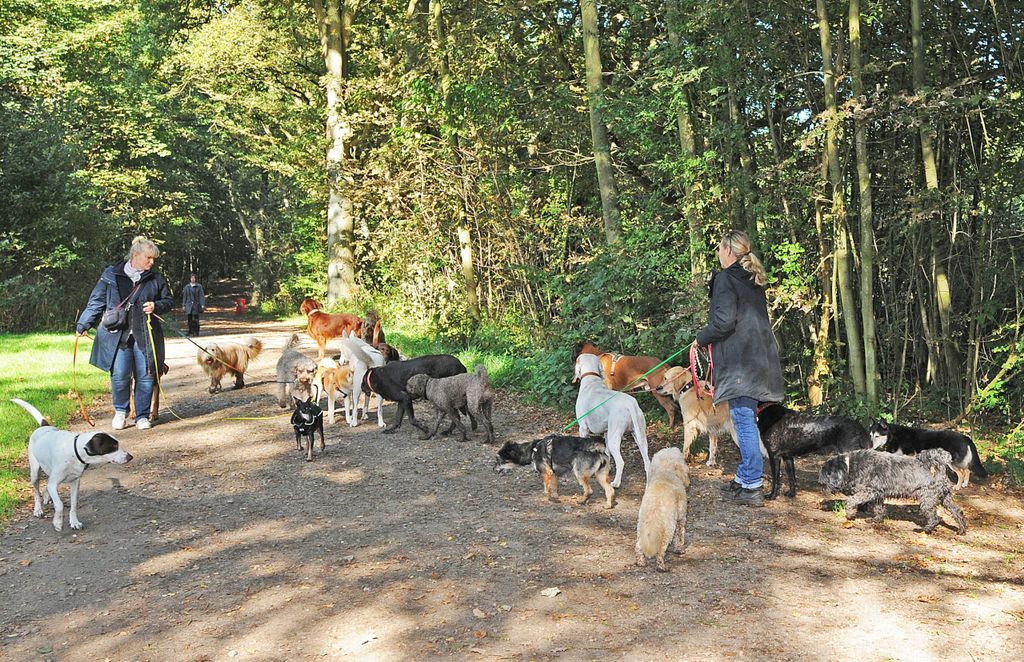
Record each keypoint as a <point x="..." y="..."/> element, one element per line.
<point x="746" y="356"/>
<point x="193" y="302"/>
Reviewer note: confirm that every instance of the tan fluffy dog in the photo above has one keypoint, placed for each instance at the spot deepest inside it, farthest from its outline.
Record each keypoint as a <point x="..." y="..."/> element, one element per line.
<point x="330" y="378"/>
<point x="662" y="519"/>
<point x="220" y="359"/>
<point x="699" y="415"/>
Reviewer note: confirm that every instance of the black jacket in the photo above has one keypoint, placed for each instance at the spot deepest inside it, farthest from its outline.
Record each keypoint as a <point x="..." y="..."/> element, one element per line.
<point x="744" y="349"/>
<point x="112" y="288"/>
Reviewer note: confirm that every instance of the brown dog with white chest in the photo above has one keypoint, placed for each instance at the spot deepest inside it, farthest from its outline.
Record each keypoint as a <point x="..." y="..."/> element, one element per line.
<point x="322" y="326"/>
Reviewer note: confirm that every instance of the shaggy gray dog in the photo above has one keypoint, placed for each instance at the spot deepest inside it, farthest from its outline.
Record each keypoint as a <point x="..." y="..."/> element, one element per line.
<point x="460" y="392"/>
<point x="869" y="477"/>
<point x="295" y="373"/>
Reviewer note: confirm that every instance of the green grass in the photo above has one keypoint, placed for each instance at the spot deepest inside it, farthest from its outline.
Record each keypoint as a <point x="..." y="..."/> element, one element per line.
<point x="36" y="367"/>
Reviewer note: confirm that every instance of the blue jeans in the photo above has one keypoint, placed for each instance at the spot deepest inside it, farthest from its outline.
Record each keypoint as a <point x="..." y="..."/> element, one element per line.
<point x="129" y="360"/>
<point x="744" y="418"/>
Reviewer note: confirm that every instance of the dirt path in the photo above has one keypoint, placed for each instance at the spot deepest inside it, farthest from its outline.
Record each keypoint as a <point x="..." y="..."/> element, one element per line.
<point x="218" y="542"/>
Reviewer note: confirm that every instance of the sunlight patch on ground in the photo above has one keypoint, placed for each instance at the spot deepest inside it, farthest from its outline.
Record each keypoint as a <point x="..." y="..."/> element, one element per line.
<point x="249" y="536"/>
<point x="345" y="476"/>
<point x="370" y="631"/>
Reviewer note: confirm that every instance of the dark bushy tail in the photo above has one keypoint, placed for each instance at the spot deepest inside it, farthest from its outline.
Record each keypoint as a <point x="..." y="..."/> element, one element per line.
<point x="976" y="466"/>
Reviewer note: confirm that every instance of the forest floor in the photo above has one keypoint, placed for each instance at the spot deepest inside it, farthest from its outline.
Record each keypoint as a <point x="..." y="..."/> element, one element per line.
<point x="219" y="542"/>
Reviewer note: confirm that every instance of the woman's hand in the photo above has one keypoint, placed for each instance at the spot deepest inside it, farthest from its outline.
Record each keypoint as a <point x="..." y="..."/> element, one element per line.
<point x="148" y="307"/>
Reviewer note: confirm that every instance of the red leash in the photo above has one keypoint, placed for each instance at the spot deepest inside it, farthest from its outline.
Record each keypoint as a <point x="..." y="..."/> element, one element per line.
<point x="695" y="365"/>
<point x="74" y="383"/>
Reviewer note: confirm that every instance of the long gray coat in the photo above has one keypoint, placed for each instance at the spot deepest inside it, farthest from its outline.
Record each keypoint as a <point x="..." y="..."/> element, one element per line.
<point x="193" y="299"/>
<point x="744" y="349"/>
<point x="112" y="287"/>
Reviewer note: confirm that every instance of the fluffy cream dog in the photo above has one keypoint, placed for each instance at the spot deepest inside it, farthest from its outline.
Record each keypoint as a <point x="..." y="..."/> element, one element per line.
<point x="662" y="519"/>
<point x="220" y="359"/>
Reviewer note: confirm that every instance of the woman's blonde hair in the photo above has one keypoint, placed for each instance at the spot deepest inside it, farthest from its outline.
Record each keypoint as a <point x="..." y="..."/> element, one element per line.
<point x="141" y="244"/>
<point x="739" y="243"/>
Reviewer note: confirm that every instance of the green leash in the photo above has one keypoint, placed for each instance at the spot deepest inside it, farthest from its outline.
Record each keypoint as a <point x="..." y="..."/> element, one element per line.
<point x="585" y="414"/>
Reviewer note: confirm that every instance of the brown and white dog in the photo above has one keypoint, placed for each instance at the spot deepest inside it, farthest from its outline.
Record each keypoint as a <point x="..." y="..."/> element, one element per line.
<point x="331" y="378"/>
<point x="699" y="414"/>
<point x="322" y="326"/>
<point x="220" y="359"/>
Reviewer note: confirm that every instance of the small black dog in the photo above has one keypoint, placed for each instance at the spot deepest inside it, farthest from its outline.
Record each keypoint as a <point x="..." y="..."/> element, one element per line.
<point x="307" y="419"/>
<point x="555" y="455"/>
<point x="787" y="434"/>
<point x="390" y="379"/>
<point x="910" y="441"/>
<point x="869" y="477"/>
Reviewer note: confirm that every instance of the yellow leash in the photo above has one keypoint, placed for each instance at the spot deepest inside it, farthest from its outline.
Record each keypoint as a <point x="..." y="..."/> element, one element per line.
<point x="156" y="366"/>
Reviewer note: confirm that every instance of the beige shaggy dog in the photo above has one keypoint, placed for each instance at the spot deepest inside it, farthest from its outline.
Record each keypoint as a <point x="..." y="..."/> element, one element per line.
<point x="662" y="520"/>
<point x="220" y="359"/>
<point x="699" y="415"/>
<point x="331" y="378"/>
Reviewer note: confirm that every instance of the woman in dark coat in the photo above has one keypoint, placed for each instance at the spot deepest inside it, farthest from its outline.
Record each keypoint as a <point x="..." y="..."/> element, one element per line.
<point x="127" y="352"/>
<point x="746" y="357"/>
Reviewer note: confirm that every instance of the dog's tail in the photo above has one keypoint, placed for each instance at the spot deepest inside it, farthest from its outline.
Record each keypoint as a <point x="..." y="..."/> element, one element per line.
<point x="356" y="349"/>
<point x="976" y="466"/>
<point x="936" y="459"/>
<point x="376" y="331"/>
<point x="293" y="341"/>
<point x="481" y="374"/>
<point x="253" y="347"/>
<point x="36" y="414"/>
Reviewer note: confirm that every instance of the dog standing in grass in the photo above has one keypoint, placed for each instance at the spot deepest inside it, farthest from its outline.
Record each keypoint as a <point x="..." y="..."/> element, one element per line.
<point x="661" y="524"/>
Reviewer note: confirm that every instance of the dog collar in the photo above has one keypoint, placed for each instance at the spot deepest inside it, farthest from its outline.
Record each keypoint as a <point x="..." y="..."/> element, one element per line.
<point x="366" y="381"/>
<point x="74" y="445"/>
<point x="590" y="372"/>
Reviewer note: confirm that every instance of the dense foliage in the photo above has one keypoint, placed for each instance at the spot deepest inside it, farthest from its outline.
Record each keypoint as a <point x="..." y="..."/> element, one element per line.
<point x="203" y="125"/>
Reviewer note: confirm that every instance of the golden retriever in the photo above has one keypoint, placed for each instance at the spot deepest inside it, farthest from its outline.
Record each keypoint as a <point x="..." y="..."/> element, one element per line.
<point x="220" y="359"/>
<point x="699" y="414"/>
<point x="662" y="519"/>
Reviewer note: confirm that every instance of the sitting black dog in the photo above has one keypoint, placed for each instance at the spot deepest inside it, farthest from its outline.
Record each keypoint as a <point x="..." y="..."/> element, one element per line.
<point x="307" y="419"/>
<point x="390" y="379"/>
<point x="787" y="434"/>
<point x="556" y="455"/>
<point x="869" y="477"/>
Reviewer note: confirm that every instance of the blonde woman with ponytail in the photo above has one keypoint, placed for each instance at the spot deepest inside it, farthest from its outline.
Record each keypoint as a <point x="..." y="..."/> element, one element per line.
<point x="746" y="356"/>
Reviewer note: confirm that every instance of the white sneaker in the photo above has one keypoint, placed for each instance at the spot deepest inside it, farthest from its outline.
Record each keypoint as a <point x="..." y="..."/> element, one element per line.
<point x="118" y="423"/>
<point x="142" y="424"/>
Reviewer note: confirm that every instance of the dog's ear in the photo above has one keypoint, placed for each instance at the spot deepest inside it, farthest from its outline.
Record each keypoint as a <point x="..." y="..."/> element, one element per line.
<point x="101" y="444"/>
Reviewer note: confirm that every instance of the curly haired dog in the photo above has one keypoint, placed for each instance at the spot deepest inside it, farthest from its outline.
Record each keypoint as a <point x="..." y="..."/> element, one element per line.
<point x="788" y="434"/>
<point x="661" y="523"/>
<point x="220" y="359"/>
<point x="449" y="395"/>
<point x="869" y="477"/>
<point x="322" y="326"/>
<point x="295" y="372"/>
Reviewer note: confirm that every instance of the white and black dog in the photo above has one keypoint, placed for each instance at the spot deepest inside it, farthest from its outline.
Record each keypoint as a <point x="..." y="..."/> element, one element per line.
<point x="869" y="477"/>
<point x="911" y="441"/>
<point x="64" y="456"/>
<point x="603" y="411"/>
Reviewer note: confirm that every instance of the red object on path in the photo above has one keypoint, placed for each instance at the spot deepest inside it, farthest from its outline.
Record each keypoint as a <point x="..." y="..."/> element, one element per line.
<point x="240" y="306"/>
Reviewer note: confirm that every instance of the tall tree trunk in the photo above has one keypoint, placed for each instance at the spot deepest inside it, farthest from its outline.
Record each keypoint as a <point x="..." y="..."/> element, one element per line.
<point x="933" y="211"/>
<point x="598" y="129"/>
<point x="465" y="245"/>
<point x="252" y="230"/>
<point x="867" y="235"/>
<point x="688" y="145"/>
<point x="335" y="22"/>
<point x="819" y="335"/>
<point x="835" y="175"/>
